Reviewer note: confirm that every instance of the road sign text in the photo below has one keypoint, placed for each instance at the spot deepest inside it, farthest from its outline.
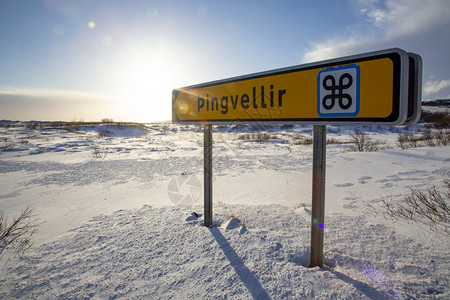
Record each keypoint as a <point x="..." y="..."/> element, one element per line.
<point x="244" y="101"/>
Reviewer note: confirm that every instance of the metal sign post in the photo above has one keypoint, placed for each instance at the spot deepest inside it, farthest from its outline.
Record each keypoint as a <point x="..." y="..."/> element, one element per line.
<point x="318" y="195"/>
<point x="207" y="173"/>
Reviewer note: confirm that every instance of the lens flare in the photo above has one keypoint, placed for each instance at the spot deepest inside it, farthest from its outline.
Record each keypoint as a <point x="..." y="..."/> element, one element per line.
<point x="91" y="25"/>
<point x="380" y="281"/>
<point x="152" y="12"/>
<point x="183" y="108"/>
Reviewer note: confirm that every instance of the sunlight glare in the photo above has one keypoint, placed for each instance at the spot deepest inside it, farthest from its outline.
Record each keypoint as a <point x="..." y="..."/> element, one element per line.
<point x="146" y="83"/>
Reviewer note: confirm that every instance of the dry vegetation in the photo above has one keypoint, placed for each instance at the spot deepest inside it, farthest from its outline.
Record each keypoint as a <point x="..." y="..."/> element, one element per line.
<point x="16" y="235"/>
<point x="430" y="205"/>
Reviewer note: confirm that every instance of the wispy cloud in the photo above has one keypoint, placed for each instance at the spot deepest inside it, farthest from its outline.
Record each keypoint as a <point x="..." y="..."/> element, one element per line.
<point x="407" y="17"/>
<point x="431" y="88"/>
<point x="48" y="93"/>
<point x="52" y="105"/>
<point x="382" y="23"/>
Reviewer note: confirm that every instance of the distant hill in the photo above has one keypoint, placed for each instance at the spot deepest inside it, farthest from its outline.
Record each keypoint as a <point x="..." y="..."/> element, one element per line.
<point x="437" y="102"/>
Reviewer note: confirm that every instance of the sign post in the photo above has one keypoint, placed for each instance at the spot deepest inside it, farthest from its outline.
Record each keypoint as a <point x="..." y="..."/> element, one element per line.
<point x="318" y="195"/>
<point x="207" y="173"/>
<point x="376" y="88"/>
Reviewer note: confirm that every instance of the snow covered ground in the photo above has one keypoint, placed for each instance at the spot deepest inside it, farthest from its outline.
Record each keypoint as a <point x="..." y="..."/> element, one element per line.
<point x="120" y="212"/>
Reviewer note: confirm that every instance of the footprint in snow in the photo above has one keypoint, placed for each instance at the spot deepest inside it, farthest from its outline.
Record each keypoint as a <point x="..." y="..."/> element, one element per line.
<point x="364" y="179"/>
<point x="348" y="184"/>
<point x="349" y="206"/>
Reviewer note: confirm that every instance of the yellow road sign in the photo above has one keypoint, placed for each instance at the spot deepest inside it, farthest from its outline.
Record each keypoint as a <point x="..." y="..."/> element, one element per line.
<point x="369" y="88"/>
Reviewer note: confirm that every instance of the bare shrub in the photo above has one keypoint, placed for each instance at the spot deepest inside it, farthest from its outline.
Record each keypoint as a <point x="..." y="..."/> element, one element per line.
<point x="245" y="136"/>
<point x="107" y="120"/>
<point x="16" y="236"/>
<point x="263" y="137"/>
<point x="362" y="142"/>
<point x="369" y="208"/>
<point x="259" y="137"/>
<point x="103" y="132"/>
<point x="428" y="138"/>
<point x="432" y="205"/>
<point x="407" y="140"/>
<point x="442" y="137"/>
<point x="99" y="152"/>
<point x="303" y="140"/>
<point x="122" y="125"/>
<point x="33" y="125"/>
<point x="336" y="141"/>
<point x="438" y="120"/>
<point x="25" y="141"/>
<point x="359" y="139"/>
<point x="72" y="127"/>
<point x="6" y="143"/>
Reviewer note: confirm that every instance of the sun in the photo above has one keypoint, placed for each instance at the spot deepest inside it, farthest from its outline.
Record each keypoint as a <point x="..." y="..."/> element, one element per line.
<point x="148" y="85"/>
<point x="144" y="82"/>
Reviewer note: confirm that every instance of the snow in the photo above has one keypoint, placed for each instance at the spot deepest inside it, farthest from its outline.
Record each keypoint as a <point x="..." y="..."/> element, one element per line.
<point x="121" y="215"/>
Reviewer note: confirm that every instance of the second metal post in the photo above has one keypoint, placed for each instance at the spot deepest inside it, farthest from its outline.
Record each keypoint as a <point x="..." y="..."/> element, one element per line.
<point x="318" y="195"/>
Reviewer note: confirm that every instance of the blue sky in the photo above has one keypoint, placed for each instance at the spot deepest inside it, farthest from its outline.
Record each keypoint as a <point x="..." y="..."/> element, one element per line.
<point x="88" y="60"/>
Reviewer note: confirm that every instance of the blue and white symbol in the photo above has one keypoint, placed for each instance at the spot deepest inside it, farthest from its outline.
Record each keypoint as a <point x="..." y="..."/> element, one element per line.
<point x="338" y="91"/>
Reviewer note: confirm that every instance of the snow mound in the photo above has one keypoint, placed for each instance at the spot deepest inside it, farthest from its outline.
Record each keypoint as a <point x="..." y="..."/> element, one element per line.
<point x="127" y="130"/>
<point x="231" y="224"/>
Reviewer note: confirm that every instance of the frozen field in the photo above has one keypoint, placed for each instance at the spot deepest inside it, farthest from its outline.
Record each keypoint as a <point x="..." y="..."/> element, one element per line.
<point x="120" y="211"/>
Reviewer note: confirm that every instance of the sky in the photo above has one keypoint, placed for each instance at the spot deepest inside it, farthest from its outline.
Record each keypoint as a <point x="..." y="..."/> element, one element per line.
<point x="85" y="60"/>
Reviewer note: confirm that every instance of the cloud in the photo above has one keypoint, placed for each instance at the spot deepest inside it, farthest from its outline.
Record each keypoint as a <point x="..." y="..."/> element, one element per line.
<point x="335" y="47"/>
<point x="53" y="105"/>
<point x="47" y="93"/>
<point x="407" y="17"/>
<point x="383" y="23"/>
<point x="431" y="88"/>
